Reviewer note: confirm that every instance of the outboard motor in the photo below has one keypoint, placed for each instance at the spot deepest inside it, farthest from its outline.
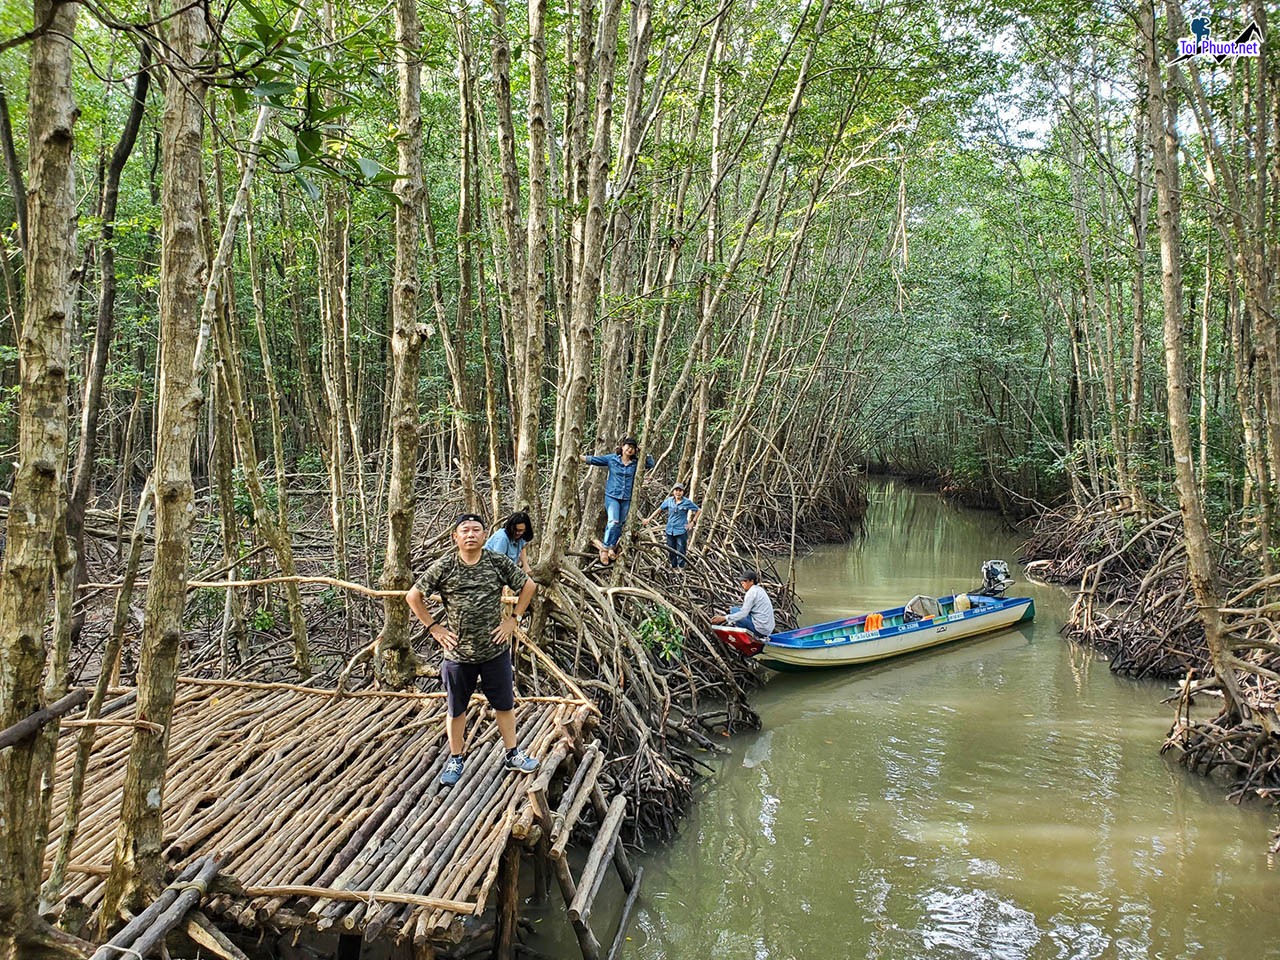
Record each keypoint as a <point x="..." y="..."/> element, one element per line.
<point x="995" y="579"/>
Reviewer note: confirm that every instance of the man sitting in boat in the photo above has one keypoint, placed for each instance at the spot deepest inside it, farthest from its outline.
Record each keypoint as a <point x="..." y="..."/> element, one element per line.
<point x="756" y="612"/>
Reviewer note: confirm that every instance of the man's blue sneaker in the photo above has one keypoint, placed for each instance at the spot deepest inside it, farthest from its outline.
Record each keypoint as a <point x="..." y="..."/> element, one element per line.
<point x="452" y="772"/>
<point x="517" y="759"/>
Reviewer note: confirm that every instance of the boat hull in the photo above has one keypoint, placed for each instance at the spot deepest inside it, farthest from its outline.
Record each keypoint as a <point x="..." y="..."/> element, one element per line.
<point x="842" y="644"/>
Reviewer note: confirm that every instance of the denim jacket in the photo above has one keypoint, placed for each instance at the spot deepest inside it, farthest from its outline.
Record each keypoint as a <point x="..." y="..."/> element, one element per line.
<point x="678" y="514"/>
<point x="621" y="476"/>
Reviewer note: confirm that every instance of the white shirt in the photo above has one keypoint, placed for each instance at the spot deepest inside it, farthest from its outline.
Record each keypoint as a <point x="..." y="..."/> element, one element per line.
<point x="757" y="606"/>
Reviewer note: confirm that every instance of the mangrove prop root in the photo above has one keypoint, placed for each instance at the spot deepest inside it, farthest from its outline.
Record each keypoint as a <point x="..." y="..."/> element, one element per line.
<point x="1135" y="604"/>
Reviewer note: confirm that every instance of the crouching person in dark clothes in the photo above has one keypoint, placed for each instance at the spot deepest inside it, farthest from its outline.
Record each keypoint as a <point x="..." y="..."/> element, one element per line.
<point x="476" y="636"/>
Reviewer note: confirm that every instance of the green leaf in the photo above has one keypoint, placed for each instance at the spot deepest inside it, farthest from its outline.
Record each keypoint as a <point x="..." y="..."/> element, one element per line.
<point x="369" y="169"/>
<point x="310" y="188"/>
<point x="272" y="89"/>
<point x="254" y="12"/>
<point x="309" y="143"/>
<point x="321" y="117"/>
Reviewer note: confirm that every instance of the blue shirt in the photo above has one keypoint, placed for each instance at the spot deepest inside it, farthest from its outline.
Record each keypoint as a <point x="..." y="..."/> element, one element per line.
<point x="502" y="545"/>
<point x="621" y="475"/>
<point x="678" y="514"/>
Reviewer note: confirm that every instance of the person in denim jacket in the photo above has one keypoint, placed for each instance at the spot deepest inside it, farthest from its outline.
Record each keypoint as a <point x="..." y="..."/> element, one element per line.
<point x="621" y="465"/>
<point x="681" y="515"/>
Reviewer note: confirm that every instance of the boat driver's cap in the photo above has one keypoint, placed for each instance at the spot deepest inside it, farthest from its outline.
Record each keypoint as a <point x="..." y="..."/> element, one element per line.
<point x="752" y="575"/>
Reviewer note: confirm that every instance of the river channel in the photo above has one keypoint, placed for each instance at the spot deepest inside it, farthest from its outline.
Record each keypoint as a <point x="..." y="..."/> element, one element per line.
<point x="1003" y="797"/>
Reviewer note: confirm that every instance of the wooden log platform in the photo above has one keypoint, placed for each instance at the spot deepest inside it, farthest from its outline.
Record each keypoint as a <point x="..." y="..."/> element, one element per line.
<point x="325" y="810"/>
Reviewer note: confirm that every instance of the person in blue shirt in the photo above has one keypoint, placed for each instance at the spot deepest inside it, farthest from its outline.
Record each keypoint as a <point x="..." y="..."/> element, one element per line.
<point x="617" y="491"/>
<point x="511" y="539"/>
<point x="682" y="513"/>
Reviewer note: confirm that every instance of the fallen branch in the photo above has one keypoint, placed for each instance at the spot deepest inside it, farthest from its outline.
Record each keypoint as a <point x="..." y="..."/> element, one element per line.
<point x="262" y="582"/>
<point x="29" y="725"/>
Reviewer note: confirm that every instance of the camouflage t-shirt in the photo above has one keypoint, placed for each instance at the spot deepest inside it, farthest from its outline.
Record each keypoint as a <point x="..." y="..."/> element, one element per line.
<point x="472" y="601"/>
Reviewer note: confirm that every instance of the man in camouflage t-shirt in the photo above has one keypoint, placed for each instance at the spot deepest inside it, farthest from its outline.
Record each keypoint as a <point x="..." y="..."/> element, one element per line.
<point x="476" y="636"/>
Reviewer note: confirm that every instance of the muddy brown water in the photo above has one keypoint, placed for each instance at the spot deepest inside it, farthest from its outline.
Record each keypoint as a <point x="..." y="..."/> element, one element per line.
<point x="1003" y="797"/>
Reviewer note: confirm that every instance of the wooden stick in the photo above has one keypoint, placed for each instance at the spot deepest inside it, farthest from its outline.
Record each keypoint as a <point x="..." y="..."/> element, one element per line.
<point x="189" y="895"/>
<point x="620" y="861"/>
<point x="620" y="937"/>
<point x="138" y="724"/>
<point x="30" y="724"/>
<point x="363" y="896"/>
<point x="91" y="869"/>
<point x="537" y="791"/>
<point x="262" y="582"/>
<point x="587" y="941"/>
<point x="575" y="799"/>
<point x="143" y="921"/>
<point x="524" y="825"/>
<point x="508" y="912"/>
<point x="554" y="669"/>
<point x="201" y="929"/>
<point x="601" y="850"/>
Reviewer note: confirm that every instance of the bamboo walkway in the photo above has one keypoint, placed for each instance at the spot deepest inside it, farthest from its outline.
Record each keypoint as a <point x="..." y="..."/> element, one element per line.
<point x="324" y="809"/>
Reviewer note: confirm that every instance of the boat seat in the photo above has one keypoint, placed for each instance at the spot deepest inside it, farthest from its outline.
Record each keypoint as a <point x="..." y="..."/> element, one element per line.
<point x="924" y="608"/>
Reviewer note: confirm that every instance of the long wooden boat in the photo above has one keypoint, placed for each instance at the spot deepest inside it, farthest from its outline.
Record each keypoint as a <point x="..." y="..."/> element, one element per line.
<point x="843" y="643"/>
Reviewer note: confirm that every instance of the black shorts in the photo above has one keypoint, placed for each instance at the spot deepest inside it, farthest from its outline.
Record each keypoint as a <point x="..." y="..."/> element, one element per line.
<point x="496" y="680"/>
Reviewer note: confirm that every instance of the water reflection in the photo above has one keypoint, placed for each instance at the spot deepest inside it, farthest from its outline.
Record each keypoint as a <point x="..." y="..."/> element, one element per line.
<point x="1003" y="798"/>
